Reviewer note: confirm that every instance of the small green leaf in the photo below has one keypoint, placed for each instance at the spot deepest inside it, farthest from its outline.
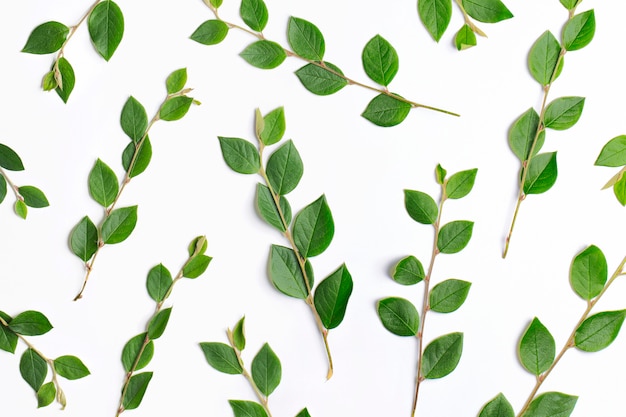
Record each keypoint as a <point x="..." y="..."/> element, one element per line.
<point x="264" y="54"/>
<point x="273" y="126"/>
<point x="240" y="155"/>
<point x="460" y="184"/>
<point x="210" y="32"/>
<point x="522" y="134"/>
<point x="564" y="112"/>
<point x="537" y="348"/>
<point x="159" y="282"/>
<point x="398" y="315"/>
<point x="542" y="173"/>
<point x="68" y="79"/>
<point x="196" y="266"/>
<point x="286" y="274"/>
<point x="176" y="81"/>
<point x="599" y="330"/>
<point x="266" y="370"/>
<point x="553" y="404"/>
<point x="613" y="154"/>
<point x="449" y="295"/>
<point x="440" y="174"/>
<point x="198" y="246"/>
<point x="134" y="119"/>
<point x="131" y="352"/>
<point x="420" y="206"/>
<point x="221" y="357"/>
<point x="30" y="323"/>
<point x="8" y="339"/>
<point x="579" y="30"/>
<point x="143" y="157"/>
<point x="9" y="159"/>
<point x="284" y="168"/>
<point x="175" y="108"/>
<point x="442" y="356"/>
<point x="303" y="413"/>
<point x="380" y="60"/>
<point x="570" y="4"/>
<point x="619" y="189"/>
<point x="106" y="28"/>
<point x="487" y="11"/>
<point x="159" y="323"/>
<point x="239" y="334"/>
<point x="254" y="14"/>
<point x="46" y="394"/>
<point x="103" y="185"/>
<point x="321" y="81"/>
<point x="20" y="209"/>
<point x="268" y="211"/>
<point x="454" y="236"/>
<point x="247" y="409"/>
<point x="84" y="239"/>
<point x="498" y="407"/>
<point x="119" y="225"/>
<point x="216" y="3"/>
<point x="435" y="15"/>
<point x="70" y="367"/>
<point x="33" y="368"/>
<point x="408" y="271"/>
<point x="543" y="58"/>
<point x="49" y="82"/>
<point x="137" y="386"/>
<point x="589" y="273"/>
<point x="46" y="38"/>
<point x="465" y="38"/>
<point x="332" y="295"/>
<point x="305" y="39"/>
<point x="313" y="228"/>
<point x="386" y="111"/>
<point x="33" y="196"/>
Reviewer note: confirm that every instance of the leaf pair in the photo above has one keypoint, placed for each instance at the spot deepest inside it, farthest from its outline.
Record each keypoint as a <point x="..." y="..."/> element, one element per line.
<point x="546" y="404"/>
<point x="613" y="154"/>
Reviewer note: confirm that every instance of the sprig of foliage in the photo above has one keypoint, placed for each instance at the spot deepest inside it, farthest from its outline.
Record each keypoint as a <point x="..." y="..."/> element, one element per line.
<point x="26" y="195"/>
<point x="139" y="350"/>
<point x="592" y="333"/>
<point x="613" y="154"/>
<point x="309" y="233"/>
<point x="34" y="365"/>
<point x="380" y="60"/>
<point x="399" y="315"/>
<point x="264" y="375"/>
<point x="117" y="224"/>
<point x="105" y="22"/>
<point x="538" y="171"/>
<point x="436" y="15"/>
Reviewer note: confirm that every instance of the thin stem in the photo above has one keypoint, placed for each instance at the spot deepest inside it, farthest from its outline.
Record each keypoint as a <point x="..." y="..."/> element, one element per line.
<point x="14" y="187"/>
<point x="74" y="28"/>
<point x="571" y="339"/>
<point x="468" y="20"/>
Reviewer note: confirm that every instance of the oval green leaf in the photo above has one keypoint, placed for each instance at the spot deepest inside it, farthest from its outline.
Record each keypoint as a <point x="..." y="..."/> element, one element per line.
<point x="70" y="367"/>
<point x="487" y="11"/>
<point x="613" y="154"/>
<point x="68" y="79"/>
<point x="119" y="225"/>
<point x="380" y="60"/>
<point x="305" y="39"/>
<point x="8" y="339"/>
<point x="435" y="15"/>
<point x="264" y="54"/>
<point x="386" y="111"/>
<point x="543" y="58"/>
<point x="33" y="368"/>
<point x="589" y="273"/>
<point x="159" y="323"/>
<point x="20" y="209"/>
<point x="266" y="370"/>
<point x="322" y="81"/>
<point x="274" y="125"/>
<point x="599" y="330"/>
<point x="619" y="189"/>
<point x="46" y="38"/>
<point x="454" y="236"/>
<point x="134" y="120"/>
<point x="554" y="404"/>
<point x="579" y="31"/>
<point x="442" y="356"/>
<point x="137" y="386"/>
<point x="33" y="196"/>
<point x="176" y="81"/>
<point x="46" y="394"/>
<point x="286" y="274"/>
<point x="247" y="409"/>
<point x="332" y="295"/>
<point x="3" y="188"/>
<point x="542" y="173"/>
<point x="240" y="155"/>
<point x="106" y="28"/>
<point x="30" y="323"/>
<point x="460" y="184"/>
<point x="103" y="185"/>
<point x="420" y="206"/>
<point x="266" y="207"/>
<point x="284" y="168"/>
<point x="210" y="32"/>
<point x="408" y="271"/>
<point x="449" y="295"/>
<point x="84" y="239"/>
<point x="564" y="112"/>
<point x="522" y="134"/>
<point x="196" y="266"/>
<point x="498" y="407"/>
<point x="143" y="157"/>
<point x="398" y="315"/>
<point x="159" y="282"/>
<point x="239" y="334"/>
<point x="254" y="14"/>
<point x="175" y="108"/>
<point x="133" y="349"/>
<point x="313" y="228"/>
<point x="221" y="357"/>
<point x="537" y="348"/>
<point x="9" y="159"/>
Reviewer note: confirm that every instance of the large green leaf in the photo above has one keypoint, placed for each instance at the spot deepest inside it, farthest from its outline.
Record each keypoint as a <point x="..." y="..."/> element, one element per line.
<point x="599" y="330"/>
<point x="305" y="39"/>
<point x="448" y="295"/>
<point x="420" y="206"/>
<point x="266" y="370"/>
<point x="543" y="58"/>
<point x="119" y="225"/>
<point x="196" y="266"/>
<point x="9" y="159"/>
<point x="589" y="273"/>
<point x="537" y="348"/>
<point x="141" y="162"/>
<point x="70" y="367"/>
<point x="159" y="323"/>
<point x="551" y="404"/>
<point x="254" y="14"/>
<point x="46" y="394"/>
<point x="284" y="168"/>
<point x="46" y="38"/>
<point x="134" y="119"/>
<point x="442" y="356"/>
<point x="579" y="30"/>
<point x="106" y="28"/>
<point x="274" y="126"/>
<point x="398" y="315"/>
<point x="322" y="81"/>
<point x="30" y="323"/>
<point x="221" y="357"/>
<point x="84" y="239"/>
<point x="435" y="15"/>
<point x="332" y="295"/>
<point x="488" y="11"/>
<point x="103" y="185"/>
<point x="175" y="108"/>
<point x="286" y="274"/>
<point x="408" y="271"/>
<point x="498" y="407"/>
<point x="159" y="282"/>
<point x="313" y="228"/>
<point x="133" y="349"/>
<point x="542" y="173"/>
<point x="210" y="32"/>
<point x="240" y="155"/>
<point x="33" y="368"/>
<point x="563" y="112"/>
<point x="454" y="236"/>
<point x="68" y="79"/>
<point x="380" y="60"/>
<point x="137" y="386"/>
<point x="264" y="54"/>
<point x="33" y="196"/>
<point x="269" y="212"/>
<point x="613" y="154"/>
<point x="522" y="134"/>
<point x="460" y="184"/>
<point x="386" y="111"/>
<point x="176" y="81"/>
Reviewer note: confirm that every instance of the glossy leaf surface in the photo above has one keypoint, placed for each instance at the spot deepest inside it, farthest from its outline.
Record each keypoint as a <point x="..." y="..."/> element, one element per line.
<point x="332" y="295"/>
<point x="399" y="316"/>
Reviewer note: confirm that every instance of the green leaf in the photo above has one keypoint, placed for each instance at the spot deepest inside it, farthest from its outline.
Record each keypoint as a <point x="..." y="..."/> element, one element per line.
<point x="589" y="273"/>
<point x="564" y="112"/>
<point x="176" y="81"/>
<point x="454" y="236"/>
<point x="106" y="28"/>
<point x="216" y="3"/>
<point x="9" y="159"/>
<point x="46" y="394"/>
<point x="20" y="209"/>
<point x="3" y="188"/>
<point x="30" y="323"/>
<point x="266" y="370"/>
<point x="134" y="119"/>
<point x="553" y="404"/>
<point x="542" y="173"/>
<point x="267" y="208"/>
<point x="175" y="108"/>
<point x="522" y="134"/>
<point x="303" y="413"/>
<point x="84" y="239"/>
<point x="332" y="295"/>
<point x="70" y="367"/>
<point x="498" y="407"/>
<point x="46" y="38"/>
<point x="435" y="15"/>
<point x="321" y="81"/>
<point x="33" y="368"/>
<point x="599" y="330"/>
<point x="487" y="11"/>
<point x="398" y="316"/>
<point x="159" y="323"/>
<point x="131" y="352"/>
<point x="119" y="225"/>
<point x="239" y="334"/>
<point x="247" y="409"/>
<point x="420" y="206"/>
<point x="103" y="185"/>
<point x="196" y="266"/>
<point x="264" y="54"/>
<point x="49" y="82"/>
<point x="465" y="38"/>
<point x="284" y="168"/>
<point x="613" y="154"/>
<point x="68" y="79"/>
<point x="313" y="228"/>
<point x="380" y="60"/>
<point x="620" y="191"/>
<point x="286" y="274"/>
<point x="570" y="4"/>
<point x="305" y="39"/>
<point x="408" y="271"/>
<point x="537" y="348"/>
<point x="440" y="174"/>
<point x="221" y="357"/>
<point x="543" y="58"/>
<point x="143" y="157"/>
<point x="240" y="155"/>
<point x="210" y="32"/>
<point x="449" y="295"/>
<point x="8" y="339"/>
<point x="460" y="184"/>
<point x="386" y="111"/>
<point x="254" y="14"/>
<point x="274" y="127"/>
<point x="579" y="30"/>
<point x="33" y="196"/>
<point x="198" y="246"/>
<point x="137" y="386"/>
<point x="159" y="282"/>
<point x="442" y="356"/>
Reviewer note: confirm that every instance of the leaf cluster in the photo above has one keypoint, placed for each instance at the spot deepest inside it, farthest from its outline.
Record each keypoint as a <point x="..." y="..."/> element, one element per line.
<point x="613" y="155"/>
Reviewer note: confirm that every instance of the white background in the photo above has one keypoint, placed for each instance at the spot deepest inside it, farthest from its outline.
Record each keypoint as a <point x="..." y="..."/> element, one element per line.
<point x="188" y="190"/>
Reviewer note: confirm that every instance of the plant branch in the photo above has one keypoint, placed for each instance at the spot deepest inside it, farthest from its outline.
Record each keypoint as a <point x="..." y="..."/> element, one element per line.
<point x="73" y="30"/>
<point x="14" y="187"/>
<point x="468" y="20"/>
